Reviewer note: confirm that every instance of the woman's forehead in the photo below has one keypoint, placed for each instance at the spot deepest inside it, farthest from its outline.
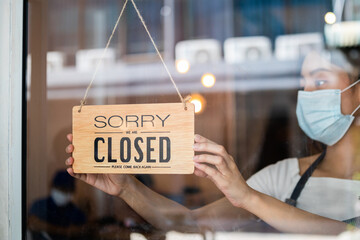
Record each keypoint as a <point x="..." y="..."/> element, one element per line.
<point x="314" y="61"/>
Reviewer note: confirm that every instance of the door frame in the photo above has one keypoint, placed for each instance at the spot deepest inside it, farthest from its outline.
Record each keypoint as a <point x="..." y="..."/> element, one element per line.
<point x="12" y="118"/>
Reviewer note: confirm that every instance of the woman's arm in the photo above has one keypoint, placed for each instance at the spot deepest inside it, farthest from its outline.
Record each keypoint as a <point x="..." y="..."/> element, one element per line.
<point x="220" y="167"/>
<point x="287" y="218"/>
<point x="166" y="214"/>
<point x="159" y="211"/>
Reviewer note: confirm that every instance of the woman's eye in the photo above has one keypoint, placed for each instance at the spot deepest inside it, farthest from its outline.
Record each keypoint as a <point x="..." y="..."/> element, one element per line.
<point x="319" y="83"/>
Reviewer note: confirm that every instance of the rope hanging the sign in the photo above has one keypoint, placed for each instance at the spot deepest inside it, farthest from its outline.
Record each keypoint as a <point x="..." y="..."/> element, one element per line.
<point x="82" y="102"/>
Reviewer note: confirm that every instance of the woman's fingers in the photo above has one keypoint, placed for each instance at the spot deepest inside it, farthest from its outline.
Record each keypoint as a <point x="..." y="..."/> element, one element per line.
<point x="212" y="173"/>
<point x="69" y="137"/>
<point x="69" y="161"/>
<point x="80" y="176"/>
<point x="200" y="139"/>
<point x="215" y="160"/>
<point x="69" y="148"/>
<point x="212" y="148"/>
<point x="203" y="144"/>
<point x="199" y="173"/>
<point x="70" y="171"/>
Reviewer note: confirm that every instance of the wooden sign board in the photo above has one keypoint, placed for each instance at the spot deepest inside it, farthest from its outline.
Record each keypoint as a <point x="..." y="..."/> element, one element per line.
<point x="134" y="138"/>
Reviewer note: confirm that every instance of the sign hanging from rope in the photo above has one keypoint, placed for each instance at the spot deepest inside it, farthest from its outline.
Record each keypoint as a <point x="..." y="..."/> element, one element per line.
<point x="133" y="138"/>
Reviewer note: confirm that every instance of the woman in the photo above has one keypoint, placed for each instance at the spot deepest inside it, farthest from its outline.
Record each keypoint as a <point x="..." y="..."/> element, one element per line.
<point x="325" y="114"/>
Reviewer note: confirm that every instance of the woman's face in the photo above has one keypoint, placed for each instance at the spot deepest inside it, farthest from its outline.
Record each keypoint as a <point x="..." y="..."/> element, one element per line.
<point x="320" y="74"/>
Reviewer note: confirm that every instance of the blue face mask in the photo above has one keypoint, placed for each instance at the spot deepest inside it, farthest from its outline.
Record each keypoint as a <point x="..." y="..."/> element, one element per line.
<point x="319" y="115"/>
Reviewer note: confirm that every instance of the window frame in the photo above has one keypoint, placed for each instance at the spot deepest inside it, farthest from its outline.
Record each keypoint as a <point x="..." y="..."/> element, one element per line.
<point x="12" y="108"/>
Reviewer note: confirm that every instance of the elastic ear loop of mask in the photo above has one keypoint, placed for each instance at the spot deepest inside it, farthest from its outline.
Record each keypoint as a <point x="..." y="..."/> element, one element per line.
<point x="347" y="88"/>
<point x="352" y="114"/>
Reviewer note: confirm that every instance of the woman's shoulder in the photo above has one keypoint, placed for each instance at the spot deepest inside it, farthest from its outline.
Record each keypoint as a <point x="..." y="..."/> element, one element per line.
<point x="275" y="176"/>
<point x="305" y="162"/>
<point x="288" y="165"/>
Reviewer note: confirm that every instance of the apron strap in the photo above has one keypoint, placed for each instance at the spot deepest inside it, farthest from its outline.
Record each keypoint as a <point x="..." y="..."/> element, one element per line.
<point x="353" y="221"/>
<point x="304" y="178"/>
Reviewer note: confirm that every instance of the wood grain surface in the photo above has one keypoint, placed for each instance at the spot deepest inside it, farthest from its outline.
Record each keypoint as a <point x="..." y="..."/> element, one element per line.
<point x="134" y="138"/>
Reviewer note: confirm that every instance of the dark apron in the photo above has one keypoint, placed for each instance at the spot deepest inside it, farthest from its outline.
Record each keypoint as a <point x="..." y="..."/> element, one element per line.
<point x="301" y="184"/>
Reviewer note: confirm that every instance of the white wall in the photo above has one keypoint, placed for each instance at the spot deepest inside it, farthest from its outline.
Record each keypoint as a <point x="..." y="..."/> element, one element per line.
<point x="11" y="17"/>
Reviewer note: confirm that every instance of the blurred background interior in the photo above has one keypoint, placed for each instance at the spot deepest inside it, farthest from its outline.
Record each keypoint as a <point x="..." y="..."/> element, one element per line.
<point x="240" y="60"/>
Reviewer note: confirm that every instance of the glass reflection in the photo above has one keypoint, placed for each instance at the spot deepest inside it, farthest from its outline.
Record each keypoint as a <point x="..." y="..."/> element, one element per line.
<point x="261" y="52"/>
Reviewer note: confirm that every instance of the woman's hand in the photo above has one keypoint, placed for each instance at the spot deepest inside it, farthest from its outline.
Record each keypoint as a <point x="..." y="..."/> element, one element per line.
<point x="220" y="167"/>
<point x="113" y="184"/>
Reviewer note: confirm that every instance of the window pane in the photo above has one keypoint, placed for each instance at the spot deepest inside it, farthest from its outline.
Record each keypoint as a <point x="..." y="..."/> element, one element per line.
<point x="264" y="77"/>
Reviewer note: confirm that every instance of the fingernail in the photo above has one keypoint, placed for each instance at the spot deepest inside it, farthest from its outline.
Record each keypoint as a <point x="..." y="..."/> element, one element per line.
<point x="196" y="146"/>
<point x="197" y="137"/>
<point x="196" y="157"/>
<point x="197" y="164"/>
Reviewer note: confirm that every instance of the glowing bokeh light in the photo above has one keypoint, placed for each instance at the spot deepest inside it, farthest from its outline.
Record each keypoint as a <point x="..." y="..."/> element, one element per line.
<point x="330" y="18"/>
<point x="198" y="105"/>
<point x="208" y="80"/>
<point x="199" y="102"/>
<point x="182" y="66"/>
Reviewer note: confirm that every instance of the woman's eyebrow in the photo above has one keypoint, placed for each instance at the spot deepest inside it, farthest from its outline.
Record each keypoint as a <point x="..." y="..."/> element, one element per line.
<point x="319" y="70"/>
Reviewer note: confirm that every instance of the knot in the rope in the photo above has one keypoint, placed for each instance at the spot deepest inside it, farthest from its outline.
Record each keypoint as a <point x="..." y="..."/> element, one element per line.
<point x="82" y="102"/>
<point x="187" y="99"/>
